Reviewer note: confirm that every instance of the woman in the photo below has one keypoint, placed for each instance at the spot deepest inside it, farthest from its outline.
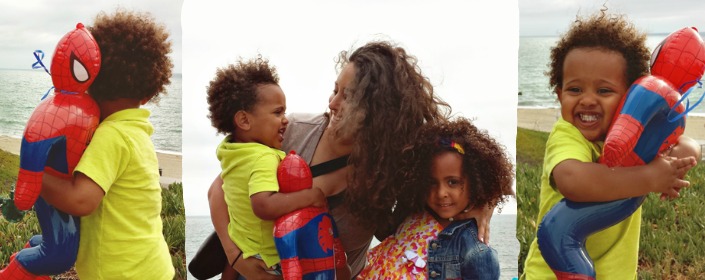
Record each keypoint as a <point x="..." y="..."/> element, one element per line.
<point x="379" y="101"/>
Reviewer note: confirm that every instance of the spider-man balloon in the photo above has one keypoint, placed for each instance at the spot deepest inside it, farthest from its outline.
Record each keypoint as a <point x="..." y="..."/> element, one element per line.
<point x="55" y="137"/>
<point x="306" y="239"/>
<point x="645" y="126"/>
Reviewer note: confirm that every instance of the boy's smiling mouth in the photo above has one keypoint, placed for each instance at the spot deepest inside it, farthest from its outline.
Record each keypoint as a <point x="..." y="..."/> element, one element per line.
<point x="588" y="117"/>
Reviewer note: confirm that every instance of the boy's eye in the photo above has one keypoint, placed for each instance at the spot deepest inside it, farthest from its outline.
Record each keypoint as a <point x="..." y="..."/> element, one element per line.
<point x="604" y="91"/>
<point x="573" y="90"/>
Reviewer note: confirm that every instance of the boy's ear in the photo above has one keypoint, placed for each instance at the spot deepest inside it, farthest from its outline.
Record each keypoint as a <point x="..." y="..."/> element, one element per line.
<point x="241" y="120"/>
<point x="558" y="91"/>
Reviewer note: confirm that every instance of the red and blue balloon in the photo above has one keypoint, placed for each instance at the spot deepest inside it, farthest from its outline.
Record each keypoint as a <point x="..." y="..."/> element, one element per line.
<point x="306" y="239"/>
<point x="54" y="139"/>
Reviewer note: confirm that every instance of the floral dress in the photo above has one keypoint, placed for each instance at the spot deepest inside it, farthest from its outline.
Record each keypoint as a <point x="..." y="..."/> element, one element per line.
<point x="403" y="255"/>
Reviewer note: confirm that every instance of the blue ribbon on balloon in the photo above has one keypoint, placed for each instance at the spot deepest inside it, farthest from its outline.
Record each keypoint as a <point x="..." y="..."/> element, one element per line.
<point x="688" y="108"/>
<point x="39" y="55"/>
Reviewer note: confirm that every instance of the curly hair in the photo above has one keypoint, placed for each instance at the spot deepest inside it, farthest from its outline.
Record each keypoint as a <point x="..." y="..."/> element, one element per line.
<point x="486" y="166"/>
<point x="603" y="31"/>
<point x="234" y="88"/>
<point x="134" y="52"/>
<point x="389" y="100"/>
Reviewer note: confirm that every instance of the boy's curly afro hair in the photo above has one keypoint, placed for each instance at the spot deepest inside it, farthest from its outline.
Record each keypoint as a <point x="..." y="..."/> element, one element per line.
<point x="486" y="165"/>
<point x="603" y="31"/>
<point x="234" y="88"/>
<point x="134" y="52"/>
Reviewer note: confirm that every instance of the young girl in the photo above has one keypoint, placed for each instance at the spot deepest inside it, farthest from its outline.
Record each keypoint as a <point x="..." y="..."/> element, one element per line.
<point x="450" y="168"/>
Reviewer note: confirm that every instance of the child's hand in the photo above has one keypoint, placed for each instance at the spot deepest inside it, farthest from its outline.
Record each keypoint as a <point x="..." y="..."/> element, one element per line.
<point x="318" y="198"/>
<point x="668" y="173"/>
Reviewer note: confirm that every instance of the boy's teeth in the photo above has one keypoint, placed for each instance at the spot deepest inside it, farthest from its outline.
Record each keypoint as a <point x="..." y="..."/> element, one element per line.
<point x="588" y="118"/>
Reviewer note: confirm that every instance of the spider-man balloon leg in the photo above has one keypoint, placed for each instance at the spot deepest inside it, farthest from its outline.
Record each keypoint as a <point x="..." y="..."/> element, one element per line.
<point x="643" y="117"/>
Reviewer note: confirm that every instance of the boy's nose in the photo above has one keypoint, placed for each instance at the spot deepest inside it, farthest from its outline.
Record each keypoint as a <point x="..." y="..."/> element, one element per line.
<point x="589" y="99"/>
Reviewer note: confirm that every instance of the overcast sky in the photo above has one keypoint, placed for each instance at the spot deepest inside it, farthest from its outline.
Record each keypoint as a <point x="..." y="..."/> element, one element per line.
<point x="472" y="63"/>
<point x="28" y="25"/>
<point x="552" y="17"/>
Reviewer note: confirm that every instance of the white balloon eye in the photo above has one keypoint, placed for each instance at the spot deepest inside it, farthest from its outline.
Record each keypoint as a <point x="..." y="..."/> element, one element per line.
<point x="78" y="70"/>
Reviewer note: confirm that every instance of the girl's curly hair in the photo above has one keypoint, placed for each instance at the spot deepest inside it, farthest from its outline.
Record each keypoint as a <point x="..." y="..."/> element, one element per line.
<point x="388" y="100"/>
<point x="602" y="31"/>
<point x="234" y="88"/>
<point x="486" y="165"/>
<point x="134" y="53"/>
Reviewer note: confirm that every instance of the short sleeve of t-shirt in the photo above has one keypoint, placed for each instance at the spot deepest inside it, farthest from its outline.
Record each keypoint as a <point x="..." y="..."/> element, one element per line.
<point x="566" y="142"/>
<point x="263" y="177"/>
<point x="106" y="158"/>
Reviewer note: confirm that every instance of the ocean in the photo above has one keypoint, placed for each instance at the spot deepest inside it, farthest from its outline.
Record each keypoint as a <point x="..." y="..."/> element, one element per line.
<point x="534" y="57"/>
<point x="22" y="90"/>
<point x="502" y="231"/>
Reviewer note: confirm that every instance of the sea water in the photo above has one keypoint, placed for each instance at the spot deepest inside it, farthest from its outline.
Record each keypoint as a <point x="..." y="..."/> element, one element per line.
<point x="502" y="232"/>
<point x="534" y="59"/>
<point x="22" y="90"/>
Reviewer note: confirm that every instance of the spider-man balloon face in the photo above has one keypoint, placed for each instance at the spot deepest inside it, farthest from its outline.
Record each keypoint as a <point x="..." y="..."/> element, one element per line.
<point x="76" y="61"/>
<point x="680" y="58"/>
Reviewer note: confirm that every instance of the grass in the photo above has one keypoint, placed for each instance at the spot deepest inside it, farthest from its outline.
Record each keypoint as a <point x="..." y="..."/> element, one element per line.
<point x="671" y="232"/>
<point x="14" y="235"/>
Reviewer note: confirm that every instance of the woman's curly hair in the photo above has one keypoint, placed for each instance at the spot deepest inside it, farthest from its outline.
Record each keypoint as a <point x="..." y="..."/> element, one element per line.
<point x="602" y="31"/>
<point x="134" y="53"/>
<point x="234" y="88"/>
<point x="388" y="100"/>
<point x="486" y="166"/>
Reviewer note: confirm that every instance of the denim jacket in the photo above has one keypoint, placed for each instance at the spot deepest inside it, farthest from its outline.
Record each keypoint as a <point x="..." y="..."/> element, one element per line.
<point x="458" y="254"/>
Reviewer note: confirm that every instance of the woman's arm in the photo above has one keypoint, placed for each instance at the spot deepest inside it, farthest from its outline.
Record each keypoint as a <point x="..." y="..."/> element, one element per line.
<point x="250" y="268"/>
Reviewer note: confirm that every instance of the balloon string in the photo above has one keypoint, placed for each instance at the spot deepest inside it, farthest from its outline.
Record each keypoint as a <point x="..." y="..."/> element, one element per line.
<point x="39" y="63"/>
<point x="688" y="108"/>
<point x="47" y="93"/>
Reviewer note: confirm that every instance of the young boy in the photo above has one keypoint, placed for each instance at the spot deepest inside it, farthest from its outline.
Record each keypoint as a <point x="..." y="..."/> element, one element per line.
<point x="592" y="67"/>
<point x="247" y="104"/>
<point x="116" y="183"/>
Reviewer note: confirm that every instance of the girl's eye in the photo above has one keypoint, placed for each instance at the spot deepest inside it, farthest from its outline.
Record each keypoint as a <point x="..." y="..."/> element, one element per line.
<point x="454" y="183"/>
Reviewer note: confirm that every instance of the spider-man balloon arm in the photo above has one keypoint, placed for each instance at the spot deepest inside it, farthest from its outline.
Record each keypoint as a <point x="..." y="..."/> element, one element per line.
<point x="593" y="182"/>
<point x="272" y="205"/>
<point x="78" y="197"/>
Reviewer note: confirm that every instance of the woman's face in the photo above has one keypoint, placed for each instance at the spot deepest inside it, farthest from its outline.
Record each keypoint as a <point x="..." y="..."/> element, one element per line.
<point x="337" y="102"/>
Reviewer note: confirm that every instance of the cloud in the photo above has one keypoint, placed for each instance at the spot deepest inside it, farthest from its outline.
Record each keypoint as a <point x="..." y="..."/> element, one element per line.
<point x="552" y="17"/>
<point x="29" y="25"/>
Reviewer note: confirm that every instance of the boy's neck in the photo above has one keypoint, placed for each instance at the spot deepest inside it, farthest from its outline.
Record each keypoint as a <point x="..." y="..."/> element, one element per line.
<point x="108" y="107"/>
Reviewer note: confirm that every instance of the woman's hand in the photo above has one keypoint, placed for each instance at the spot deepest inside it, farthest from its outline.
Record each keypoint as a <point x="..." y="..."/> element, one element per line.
<point x="253" y="268"/>
<point x="483" y="215"/>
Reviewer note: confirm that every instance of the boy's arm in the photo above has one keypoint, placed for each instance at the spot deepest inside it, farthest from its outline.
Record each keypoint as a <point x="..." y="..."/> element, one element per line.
<point x="686" y="147"/>
<point x="272" y="205"/>
<point x="79" y="196"/>
<point x="594" y="182"/>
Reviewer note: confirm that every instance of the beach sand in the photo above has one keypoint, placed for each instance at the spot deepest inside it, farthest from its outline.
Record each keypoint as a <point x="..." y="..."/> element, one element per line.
<point x="543" y="120"/>
<point x="169" y="162"/>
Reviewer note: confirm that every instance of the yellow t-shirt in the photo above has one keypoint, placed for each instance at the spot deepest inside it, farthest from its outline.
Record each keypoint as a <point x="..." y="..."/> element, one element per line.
<point x="122" y="238"/>
<point x="613" y="250"/>
<point x="247" y="169"/>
